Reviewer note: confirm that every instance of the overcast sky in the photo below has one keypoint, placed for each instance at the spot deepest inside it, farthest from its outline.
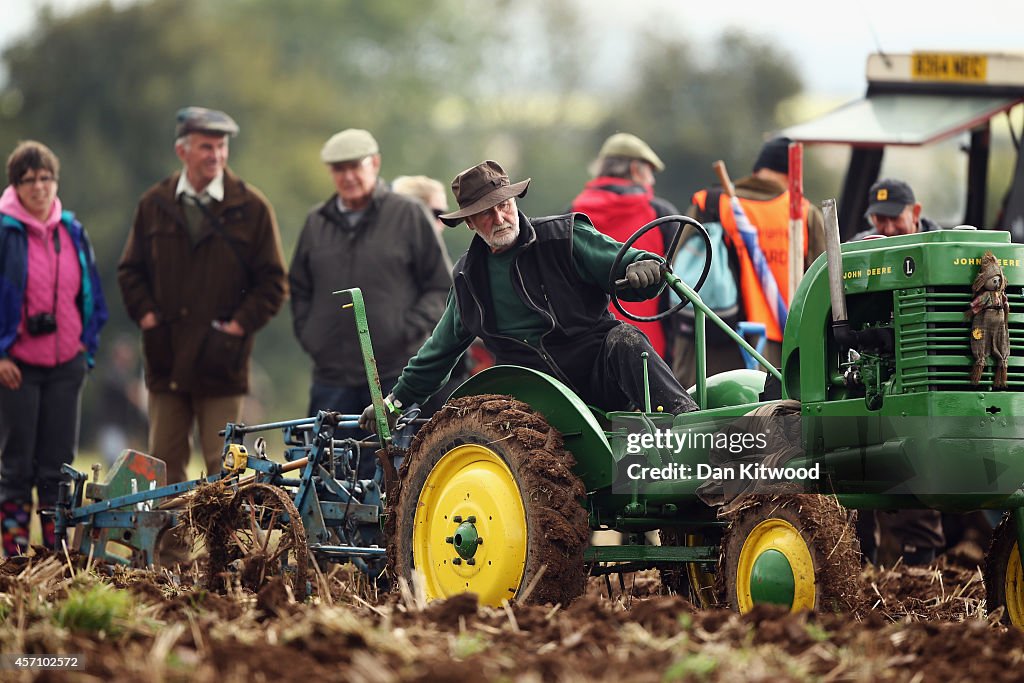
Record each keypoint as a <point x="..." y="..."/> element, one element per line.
<point x="829" y="40"/>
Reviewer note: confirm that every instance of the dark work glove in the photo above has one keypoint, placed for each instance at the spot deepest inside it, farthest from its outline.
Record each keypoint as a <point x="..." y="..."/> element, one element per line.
<point x="644" y="273"/>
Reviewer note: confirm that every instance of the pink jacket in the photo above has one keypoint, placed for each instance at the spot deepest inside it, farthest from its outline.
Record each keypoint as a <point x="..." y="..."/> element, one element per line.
<point x="44" y="274"/>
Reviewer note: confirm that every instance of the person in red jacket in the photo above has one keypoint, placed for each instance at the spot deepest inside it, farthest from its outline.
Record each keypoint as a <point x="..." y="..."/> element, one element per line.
<point x="619" y="200"/>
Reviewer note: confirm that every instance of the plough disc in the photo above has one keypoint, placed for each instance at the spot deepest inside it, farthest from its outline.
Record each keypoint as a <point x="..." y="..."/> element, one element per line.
<point x="258" y="537"/>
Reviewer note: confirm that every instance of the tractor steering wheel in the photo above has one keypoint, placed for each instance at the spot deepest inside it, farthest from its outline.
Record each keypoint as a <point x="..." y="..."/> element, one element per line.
<point x="614" y="284"/>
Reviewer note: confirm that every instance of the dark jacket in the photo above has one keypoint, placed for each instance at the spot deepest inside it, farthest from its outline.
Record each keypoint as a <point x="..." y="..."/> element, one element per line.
<point x="544" y="277"/>
<point x="393" y="255"/>
<point x="92" y="305"/>
<point x="236" y="271"/>
<point x="557" y="276"/>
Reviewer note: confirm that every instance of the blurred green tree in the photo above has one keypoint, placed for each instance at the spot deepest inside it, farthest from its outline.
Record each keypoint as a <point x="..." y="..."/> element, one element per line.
<point x="695" y="108"/>
<point x="101" y="87"/>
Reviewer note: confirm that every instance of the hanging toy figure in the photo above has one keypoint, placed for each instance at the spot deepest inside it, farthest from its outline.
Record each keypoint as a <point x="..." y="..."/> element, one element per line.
<point x="990" y="335"/>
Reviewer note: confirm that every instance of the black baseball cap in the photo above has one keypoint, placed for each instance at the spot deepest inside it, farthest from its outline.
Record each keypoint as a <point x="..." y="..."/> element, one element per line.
<point x="888" y="197"/>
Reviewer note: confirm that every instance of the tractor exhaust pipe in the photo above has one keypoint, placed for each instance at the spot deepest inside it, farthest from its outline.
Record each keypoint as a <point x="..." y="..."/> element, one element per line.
<point x="840" y="323"/>
<point x="835" y="260"/>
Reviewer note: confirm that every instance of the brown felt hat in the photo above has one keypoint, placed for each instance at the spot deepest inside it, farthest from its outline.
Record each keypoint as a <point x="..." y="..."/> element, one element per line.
<point x="479" y="188"/>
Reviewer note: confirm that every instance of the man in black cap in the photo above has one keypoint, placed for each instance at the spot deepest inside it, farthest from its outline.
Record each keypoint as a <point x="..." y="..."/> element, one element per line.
<point x="893" y="210"/>
<point x="201" y="272"/>
<point x="764" y="196"/>
<point x="536" y="292"/>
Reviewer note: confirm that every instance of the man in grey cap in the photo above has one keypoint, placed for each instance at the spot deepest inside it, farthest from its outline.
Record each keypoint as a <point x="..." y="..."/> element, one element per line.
<point x="364" y="235"/>
<point x="513" y="263"/>
<point x="202" y="271"/>
<point x="619" y="200"/>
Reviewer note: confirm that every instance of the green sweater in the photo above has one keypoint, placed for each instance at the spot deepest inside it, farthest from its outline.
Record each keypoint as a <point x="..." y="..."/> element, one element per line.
<point x="593" y="254"/>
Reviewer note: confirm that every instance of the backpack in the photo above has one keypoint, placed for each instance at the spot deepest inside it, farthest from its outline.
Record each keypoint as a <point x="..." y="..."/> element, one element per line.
<point x="720" y="291"/>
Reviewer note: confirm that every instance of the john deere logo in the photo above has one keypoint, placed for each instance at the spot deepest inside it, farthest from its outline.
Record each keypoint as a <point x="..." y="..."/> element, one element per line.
<point x="883" y="194"/>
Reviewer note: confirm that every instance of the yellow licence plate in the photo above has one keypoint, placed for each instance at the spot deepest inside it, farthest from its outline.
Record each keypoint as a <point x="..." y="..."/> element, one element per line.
<point x="937" y="66"/>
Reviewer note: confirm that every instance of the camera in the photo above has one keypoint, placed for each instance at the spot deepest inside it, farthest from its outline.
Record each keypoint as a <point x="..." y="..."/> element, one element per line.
<point x="43" y="323"/>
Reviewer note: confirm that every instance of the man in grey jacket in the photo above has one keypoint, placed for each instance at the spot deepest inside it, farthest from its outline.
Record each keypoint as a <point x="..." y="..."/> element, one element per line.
<point x="363" y="236"/>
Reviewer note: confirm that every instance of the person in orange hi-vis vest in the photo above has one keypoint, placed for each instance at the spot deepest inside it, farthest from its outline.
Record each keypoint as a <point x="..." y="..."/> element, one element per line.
<point x="764" y="196"/>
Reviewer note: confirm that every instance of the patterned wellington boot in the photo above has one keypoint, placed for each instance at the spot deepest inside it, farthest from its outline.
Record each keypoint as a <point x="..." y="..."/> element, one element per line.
<point x="14" y="520"/>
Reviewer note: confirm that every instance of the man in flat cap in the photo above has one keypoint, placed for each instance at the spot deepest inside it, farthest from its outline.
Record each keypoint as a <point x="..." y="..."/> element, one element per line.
<point x="202" y="271"/>
<point x="364" y="235"/>
<point x="764" y="196"/>
<point x="536" y="292"/>
<point x="619" y="200"/>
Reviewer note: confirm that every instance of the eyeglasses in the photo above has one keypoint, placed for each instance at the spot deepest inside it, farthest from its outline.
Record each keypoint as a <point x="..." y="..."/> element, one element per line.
<point x="44" y="179"/>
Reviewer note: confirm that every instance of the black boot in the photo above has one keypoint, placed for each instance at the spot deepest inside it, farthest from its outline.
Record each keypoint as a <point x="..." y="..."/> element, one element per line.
<point x="914" y="556"/>
<point x="49" y="527"/>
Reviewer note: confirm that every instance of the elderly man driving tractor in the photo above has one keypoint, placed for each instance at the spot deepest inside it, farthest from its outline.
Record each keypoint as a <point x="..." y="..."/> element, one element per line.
<point x="536" y="291"/>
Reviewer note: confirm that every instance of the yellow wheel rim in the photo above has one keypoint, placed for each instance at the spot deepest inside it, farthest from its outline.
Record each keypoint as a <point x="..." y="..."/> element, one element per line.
<point x="701" y="582"/>
<point x="775" y="566"/>
<point x="1014" y="588"/>
<point x="469" y="530"/>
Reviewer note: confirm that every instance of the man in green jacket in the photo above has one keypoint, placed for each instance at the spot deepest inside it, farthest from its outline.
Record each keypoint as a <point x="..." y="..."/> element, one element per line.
<point x="201" y="272"/>
<point x="536" y="292"/>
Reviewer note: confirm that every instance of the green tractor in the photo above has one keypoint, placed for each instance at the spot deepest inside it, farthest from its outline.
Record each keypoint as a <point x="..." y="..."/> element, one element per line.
<point x="501" y="489"/>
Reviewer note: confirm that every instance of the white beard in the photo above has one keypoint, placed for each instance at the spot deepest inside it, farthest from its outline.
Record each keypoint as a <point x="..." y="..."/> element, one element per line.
<point x="503" y="237"/>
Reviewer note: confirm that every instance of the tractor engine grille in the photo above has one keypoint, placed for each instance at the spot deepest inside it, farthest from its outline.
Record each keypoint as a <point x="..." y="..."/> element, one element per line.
<point x="933" y="343"/>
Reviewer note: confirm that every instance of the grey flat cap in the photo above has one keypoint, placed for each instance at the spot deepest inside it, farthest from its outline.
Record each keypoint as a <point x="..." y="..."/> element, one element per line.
<point x="349" y="145"/>
<point x="203" y="120"/>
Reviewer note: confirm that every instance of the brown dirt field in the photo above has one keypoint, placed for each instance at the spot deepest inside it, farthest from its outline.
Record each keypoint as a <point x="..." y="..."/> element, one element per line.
<point x="919" y="625"/>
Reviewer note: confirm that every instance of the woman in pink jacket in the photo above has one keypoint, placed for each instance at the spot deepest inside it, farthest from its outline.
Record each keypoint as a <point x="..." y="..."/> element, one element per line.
<point x="51" y="311"/>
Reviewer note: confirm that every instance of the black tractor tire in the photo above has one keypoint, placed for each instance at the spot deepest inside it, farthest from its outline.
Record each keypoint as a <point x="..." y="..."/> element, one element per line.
<point x="1004" y="579"/>
<point x="811" y="534"/>
<point x="556" y="524"/>
<point x="688" y="580"/>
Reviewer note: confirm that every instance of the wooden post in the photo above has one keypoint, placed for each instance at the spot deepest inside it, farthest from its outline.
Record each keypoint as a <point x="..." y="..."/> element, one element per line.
<point x="723" y="177"/>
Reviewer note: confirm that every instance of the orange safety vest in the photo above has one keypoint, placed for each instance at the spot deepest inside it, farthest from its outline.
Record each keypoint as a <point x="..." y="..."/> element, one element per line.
<point x="771" y="217"/>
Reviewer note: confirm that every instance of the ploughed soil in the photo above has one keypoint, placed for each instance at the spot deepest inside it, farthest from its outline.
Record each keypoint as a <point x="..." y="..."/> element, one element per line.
<point x="914" y="624"/>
